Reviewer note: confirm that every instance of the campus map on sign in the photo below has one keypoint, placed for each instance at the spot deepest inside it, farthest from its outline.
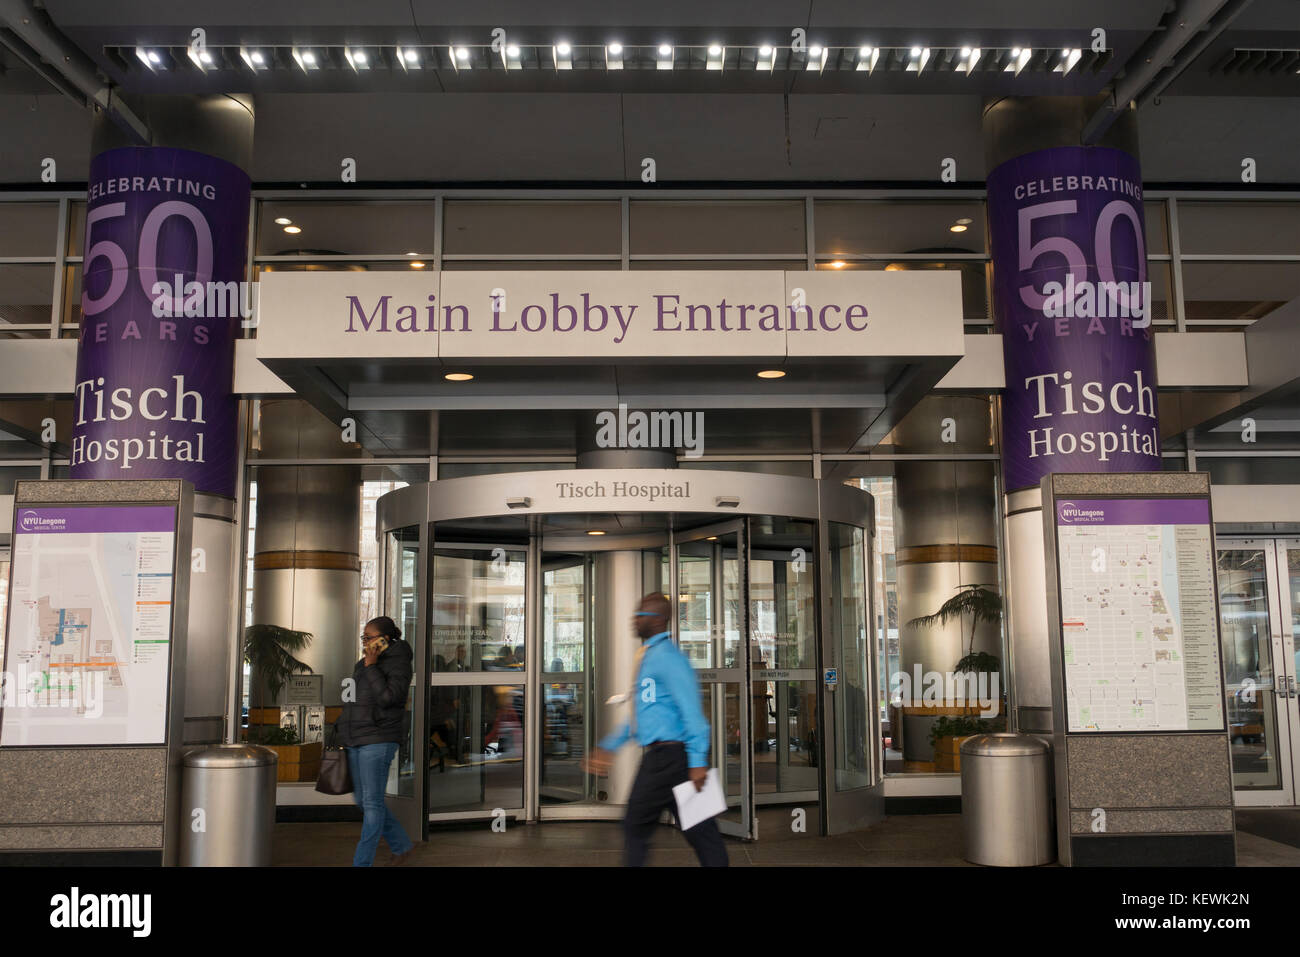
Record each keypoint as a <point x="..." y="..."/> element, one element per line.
<point x="1140" y="644"/>
<point x="88" y="649"/>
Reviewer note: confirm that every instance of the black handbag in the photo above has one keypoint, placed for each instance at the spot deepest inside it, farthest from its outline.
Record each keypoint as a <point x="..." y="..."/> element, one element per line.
<point x="334" y="777"/>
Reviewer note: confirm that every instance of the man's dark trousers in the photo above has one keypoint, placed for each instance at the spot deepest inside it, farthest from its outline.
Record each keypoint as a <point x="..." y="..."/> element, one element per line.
<point x="663" y="767"/>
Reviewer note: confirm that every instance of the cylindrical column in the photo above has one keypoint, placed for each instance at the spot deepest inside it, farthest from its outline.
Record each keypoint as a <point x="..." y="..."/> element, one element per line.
<point x="615" y="646"/>
<point x="306" y="569"/>
<point x="946" y="538"/>
<point x="165" y="251"/>
<point x="1073" y="305"/>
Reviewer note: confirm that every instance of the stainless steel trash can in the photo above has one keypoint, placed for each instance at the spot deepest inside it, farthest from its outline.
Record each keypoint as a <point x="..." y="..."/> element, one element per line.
<point x="228" y="806"/>
<point x="1006" y="804"/>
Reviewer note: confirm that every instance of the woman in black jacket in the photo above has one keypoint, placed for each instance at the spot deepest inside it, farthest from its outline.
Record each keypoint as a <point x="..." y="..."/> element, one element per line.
<point x="372" y="728"/>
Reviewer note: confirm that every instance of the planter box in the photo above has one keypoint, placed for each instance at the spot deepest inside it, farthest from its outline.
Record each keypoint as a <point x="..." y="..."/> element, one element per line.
<point x="947" y="753"/>
<point x="298" y="762"/>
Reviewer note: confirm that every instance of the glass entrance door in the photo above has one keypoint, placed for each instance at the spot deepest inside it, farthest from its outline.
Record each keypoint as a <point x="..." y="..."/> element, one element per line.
<point x="476" y="672"/>
<point x="1259" y="607"/>
<point x="710" y="588"/>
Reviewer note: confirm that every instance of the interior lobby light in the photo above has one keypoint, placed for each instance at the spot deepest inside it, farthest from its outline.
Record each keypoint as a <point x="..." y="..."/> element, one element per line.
<point x="772" y="374"/>
<point x="253" y="59"/>
<point x="864" y="51"/>
<point x="562" y="48"/>
<point x="458" y="377"/>
<point x="916" y="51"/>
<point x="293" y="229"/>
<point x="282" y="220"/>
<point x="957" y="228"/>
<point x="149" y="58"/>
<point x="715" y="50"/>
<point x="765" y="50"/>
<point x="595" y="531"/>
<point x="665" y="49"/>
<point x="964" y="221"/>
<point x="616" y="48"/>
<point x="512" y="51"/>
<point x="419" y="265"/>
<point x="305" y="59"/>
<point x="837" y="264"/>
<point x="462" y="54"/>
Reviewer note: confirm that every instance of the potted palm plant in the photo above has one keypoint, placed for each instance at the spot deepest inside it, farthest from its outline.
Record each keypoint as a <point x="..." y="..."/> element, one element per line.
<point x="982" y="604"/>
<point x="271" y="651"/>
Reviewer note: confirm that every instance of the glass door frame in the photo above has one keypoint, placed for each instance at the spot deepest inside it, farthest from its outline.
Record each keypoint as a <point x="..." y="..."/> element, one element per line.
<point x="409" y="809"/>
<point x="720" y="677"/>
<point x="1286" y="713"/>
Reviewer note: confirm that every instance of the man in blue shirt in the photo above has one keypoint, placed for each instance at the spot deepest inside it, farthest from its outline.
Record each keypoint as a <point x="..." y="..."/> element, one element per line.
<point x="670" y="724"/>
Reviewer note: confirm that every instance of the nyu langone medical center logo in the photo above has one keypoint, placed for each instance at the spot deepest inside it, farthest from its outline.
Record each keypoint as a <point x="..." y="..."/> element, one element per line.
<point x="30" y="521"/>
<point x="1072" y="514"/>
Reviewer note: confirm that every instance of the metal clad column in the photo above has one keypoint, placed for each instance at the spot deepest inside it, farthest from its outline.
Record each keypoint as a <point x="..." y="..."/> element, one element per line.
<point x="306" y="569"/>
<point x="155" y="360"/>
<point x="1069" y="257"/>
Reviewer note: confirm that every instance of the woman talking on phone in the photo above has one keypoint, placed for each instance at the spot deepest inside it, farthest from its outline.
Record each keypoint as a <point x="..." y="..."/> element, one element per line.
<point x="371" y="728"/>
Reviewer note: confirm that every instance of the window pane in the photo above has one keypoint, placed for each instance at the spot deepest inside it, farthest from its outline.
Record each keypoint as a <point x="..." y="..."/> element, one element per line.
<point x="848" y="612"/>
<point x="1235" y="294"/>
<point x="1239" y="228"/>
<point x="476" y="742"/>
<point x="974" y="279"/>
<point x="26" y="292"/>
<point x="741" y="226"/>
<point x="29" y="229"/>
<point x="860" y="227"/>
<point x="537" y="228"/>
<point x="345" y="228"/>
<point x="478" y="610"/>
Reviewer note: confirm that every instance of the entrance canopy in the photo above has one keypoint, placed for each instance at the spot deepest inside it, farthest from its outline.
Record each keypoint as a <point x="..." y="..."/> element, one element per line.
<point x="858" y="348"/>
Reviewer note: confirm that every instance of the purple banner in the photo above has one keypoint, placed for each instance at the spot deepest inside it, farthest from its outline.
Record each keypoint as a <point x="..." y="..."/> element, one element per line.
<point x="135" y="518"/>
<point x="1133" y="511"/>
<point x="162" y="299"/>
<point x="1073" y="305"/>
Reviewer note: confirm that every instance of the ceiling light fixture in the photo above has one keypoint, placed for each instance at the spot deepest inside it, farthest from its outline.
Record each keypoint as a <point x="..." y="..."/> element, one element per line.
<point x="864" y="52"/>
<point x="149" y="58"/>
<point x="458" y="377"/>
<point x="665" y="50"/>
<point x="715" y="50"/>
<point x="956" y="228"/>
<point x="293" y="229"/>
<point x="408" y="58"/>
<point x="665" y="57"/>
<point x="765" y="50"/>
<point x="253" y="59"/>
<point x="614" y="56"/>
<point x="965" y="221"/>
<point x="283" y="221"/>
<point x="512" y="51"/>
<point x="462" y="54"/>
<point x="837" y="264"/>
<point x="916" y="51"/>
<point x="595" y="531"/>
<point x="562" y="48"/>
<point x="419" y="265"/>
<point x="305" y="59"/>
<point x="616" y="48"/>
<point x="772" y="374"/>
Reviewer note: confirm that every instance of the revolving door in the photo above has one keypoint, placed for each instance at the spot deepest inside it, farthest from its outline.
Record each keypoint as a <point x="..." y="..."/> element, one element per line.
<point x="518" y="591"/>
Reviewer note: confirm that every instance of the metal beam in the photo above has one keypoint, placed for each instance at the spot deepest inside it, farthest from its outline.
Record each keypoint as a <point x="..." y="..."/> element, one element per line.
<point x="1175" y="32"/>
<point x="34" y="28"/>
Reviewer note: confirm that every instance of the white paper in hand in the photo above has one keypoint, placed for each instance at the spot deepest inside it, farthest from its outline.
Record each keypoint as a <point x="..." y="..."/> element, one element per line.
<point x="695" y="806"/>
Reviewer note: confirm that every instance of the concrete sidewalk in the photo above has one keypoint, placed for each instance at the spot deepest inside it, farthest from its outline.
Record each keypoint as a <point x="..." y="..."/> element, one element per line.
<point x="908" y="840"/>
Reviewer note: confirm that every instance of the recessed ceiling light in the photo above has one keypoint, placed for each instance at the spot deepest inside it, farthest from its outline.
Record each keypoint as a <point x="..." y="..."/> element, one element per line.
<point x="837" y="264"/>
<point x="894" y="267"/>
<point x="595" y="531"/>
<point x="715" y="50"/>
<point x="282" y="221"/>
<point x="864" y="51"/>
<point x="293" y="229"/>
<point x="814" y="51"/>
<point x="462" y="53"/>
<point x="616" y="48"/>
<point x="965" y="221"/>
<point x="359" y="56"/>
<point x="205" y="56"/>
<point x="308" y="57"/>
<point x="1015" y="51"/>
<point x="765" y="50"/>
<point x="412" y="254"/>
<point x="417" y="265"/>
<point x="956" y="228"/>
<point x="512" y="50"/>
<point x="256" y="57"/>
<point x="154" y="57"/>
<point x="665" y="49"/>
<point x="458" y="377"/>
<point x="772" y="374"/>
<point x="562" y="48"/>
<point x="965" y="51"/>
<point x="410" y="56"/>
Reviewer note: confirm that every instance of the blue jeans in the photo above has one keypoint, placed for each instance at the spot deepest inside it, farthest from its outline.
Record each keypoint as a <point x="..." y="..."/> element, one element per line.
<point x="368" y="765"/>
